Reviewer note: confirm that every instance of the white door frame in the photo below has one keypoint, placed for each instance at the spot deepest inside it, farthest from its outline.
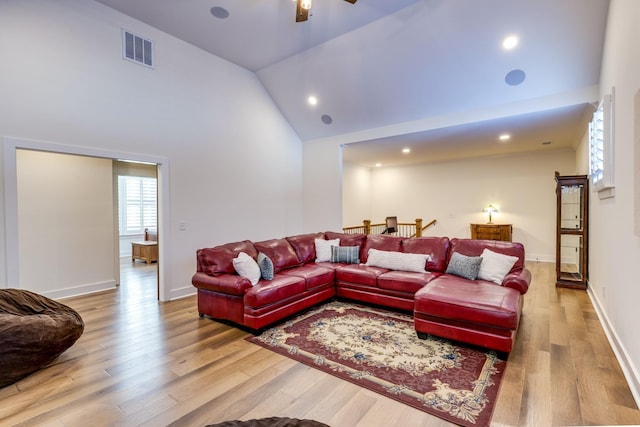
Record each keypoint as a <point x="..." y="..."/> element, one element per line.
<point x="11" y="201"/>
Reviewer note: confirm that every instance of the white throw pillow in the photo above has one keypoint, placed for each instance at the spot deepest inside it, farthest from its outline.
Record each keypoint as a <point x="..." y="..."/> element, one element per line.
<point x="495" y="266"/>
<point x="247" y="267"/>
<point x="323" y="249"/>
<point x="397" y="260"/>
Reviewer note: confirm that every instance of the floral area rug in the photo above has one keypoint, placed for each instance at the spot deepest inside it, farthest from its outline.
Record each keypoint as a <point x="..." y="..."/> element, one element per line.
<point x="379" y="350"/>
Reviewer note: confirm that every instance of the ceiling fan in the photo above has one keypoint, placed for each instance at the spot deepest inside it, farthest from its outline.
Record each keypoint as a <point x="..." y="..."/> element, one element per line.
<point x="303" y="6"/>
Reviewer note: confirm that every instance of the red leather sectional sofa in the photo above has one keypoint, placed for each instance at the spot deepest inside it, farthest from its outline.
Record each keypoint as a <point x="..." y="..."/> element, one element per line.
<point x="477" y="311"/>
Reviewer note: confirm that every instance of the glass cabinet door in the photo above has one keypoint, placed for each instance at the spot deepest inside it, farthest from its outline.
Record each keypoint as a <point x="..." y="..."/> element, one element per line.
<point x="571" y="207"/>
<point x="571" y="257"/>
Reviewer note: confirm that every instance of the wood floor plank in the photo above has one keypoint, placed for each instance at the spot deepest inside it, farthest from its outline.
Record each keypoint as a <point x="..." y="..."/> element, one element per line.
<point x="354" y="408"/>
<point x="144" y="362"/>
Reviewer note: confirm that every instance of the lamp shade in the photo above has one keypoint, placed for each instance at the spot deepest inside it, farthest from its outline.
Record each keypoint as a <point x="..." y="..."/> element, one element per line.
<point x="490" y="210"/>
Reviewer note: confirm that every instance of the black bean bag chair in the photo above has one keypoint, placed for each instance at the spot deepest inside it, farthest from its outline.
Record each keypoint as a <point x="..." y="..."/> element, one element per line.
<point x="34" y="330"/>
<point x="271" y="422"/>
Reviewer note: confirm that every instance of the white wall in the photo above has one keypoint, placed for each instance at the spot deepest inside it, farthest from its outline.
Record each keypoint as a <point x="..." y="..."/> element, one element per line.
<point x="614" y="248"/>
<point x="454" y="193"/>
<point x="356" y="194"/>
<point x="322" y="182"/>
<point x="235" y="163"/>
<point x="66" y="223"/>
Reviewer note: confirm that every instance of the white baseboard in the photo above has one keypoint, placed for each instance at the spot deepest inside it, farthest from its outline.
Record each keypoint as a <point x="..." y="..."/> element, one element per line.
<point x="629" y="370"/>
<point x="540" y="257"/>
<point x="81" y="290"/>
<point x="181" y="293"/>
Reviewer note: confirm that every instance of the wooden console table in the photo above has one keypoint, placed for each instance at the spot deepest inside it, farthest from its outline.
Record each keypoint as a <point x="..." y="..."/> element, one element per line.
<point x="146" y="251"/>
<point x="491" y="232"/>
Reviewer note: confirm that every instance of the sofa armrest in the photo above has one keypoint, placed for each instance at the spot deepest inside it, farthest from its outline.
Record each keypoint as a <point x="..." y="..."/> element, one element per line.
<point x="518" y="280"/>
<point x="230" y="284"/>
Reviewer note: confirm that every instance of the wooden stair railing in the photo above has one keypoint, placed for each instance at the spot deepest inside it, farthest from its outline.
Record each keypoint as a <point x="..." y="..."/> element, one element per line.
<point x="405" y="229"/>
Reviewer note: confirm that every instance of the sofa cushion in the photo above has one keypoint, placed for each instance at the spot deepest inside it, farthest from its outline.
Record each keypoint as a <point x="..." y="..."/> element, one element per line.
<point x="245" y="246"/>
<point x="346" y="239"/>
<point x="266" y="266"/>
<point x="475" y="247"/>
<point x="405" y="281"/>
<point x="359" y="273"/>
<point x="214" y="261"/>
<point x="456" y="299"/>
<point x="380" y="242"/>
<point x="313" y="275"/>
<point x="282" y="287"/>
<point x="304" y="245"/>
<point x="397" y="260"/>
<point x="247" y="267"/>
<point x="436" y="247"/>
<point x="219" y="260"/>
<point x="280" y="252"/>
<point x="346" y="254"/>
<point x="323" y="249"/>
<point x="464" y="266"/>
<point x="495" y="266"/>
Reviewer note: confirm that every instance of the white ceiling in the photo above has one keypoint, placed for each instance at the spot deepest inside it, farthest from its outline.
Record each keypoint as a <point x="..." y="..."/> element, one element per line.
<point x="429" y="74"/>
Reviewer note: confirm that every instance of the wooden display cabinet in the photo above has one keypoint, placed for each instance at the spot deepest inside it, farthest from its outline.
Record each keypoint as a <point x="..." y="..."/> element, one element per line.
<point x="572" y="193"/>
<point x="491" y="232"/>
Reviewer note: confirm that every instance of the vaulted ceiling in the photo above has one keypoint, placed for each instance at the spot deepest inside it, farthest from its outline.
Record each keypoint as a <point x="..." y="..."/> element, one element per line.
<point x="430" y="75"/>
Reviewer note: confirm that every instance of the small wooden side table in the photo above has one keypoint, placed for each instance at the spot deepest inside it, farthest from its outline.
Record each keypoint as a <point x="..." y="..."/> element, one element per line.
<point x="491" y="232"/>
<point x="146" y="251"/>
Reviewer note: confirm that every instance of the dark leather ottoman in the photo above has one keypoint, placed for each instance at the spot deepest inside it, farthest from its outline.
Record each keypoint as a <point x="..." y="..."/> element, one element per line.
<point x="34" y="330"/>
<point x="472" y="312"/>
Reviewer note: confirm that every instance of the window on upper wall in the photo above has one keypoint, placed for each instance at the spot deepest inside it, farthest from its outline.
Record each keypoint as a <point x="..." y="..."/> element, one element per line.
<point x="601" y="148"/>
<point x="137" y="205"/>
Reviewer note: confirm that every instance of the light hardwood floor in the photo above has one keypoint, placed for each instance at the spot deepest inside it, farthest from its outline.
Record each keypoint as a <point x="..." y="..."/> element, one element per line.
<point x="141" y="362"/>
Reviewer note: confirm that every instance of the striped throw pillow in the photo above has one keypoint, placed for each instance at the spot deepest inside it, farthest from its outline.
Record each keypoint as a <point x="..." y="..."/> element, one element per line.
<point x="347" y="254"/>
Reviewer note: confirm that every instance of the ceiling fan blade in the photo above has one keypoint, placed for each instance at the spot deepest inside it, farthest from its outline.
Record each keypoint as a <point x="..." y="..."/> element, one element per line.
<point x="351" y="1"/>
<point x="301" y="14"/>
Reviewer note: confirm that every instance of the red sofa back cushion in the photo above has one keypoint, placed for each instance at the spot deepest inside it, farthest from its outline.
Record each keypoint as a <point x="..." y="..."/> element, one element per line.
<point x="347" y="239"/>
<point x="436" y="247"/>
<point x="305" y="246"/>
<point x="281" y="253"/>
<point x="218" y="260"/>
<point x="471" y="247"/>
<point x="380" y="242"/>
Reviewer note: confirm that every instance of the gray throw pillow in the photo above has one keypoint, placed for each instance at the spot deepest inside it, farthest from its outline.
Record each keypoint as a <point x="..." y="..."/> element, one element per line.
<point x="348" y="254"/>
<point x="464" y="266"/>
<point x="266" y="266"/>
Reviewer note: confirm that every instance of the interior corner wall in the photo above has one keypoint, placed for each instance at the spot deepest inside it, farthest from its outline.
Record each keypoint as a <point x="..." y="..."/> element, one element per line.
<point x="356" y="194"/>
<point x="67" y="225"/>
<point x="64" y="81"/>
<point x="582" y="155"/>
<point x="454" y="193"/>
<point x="614" y="249"/>
<point x="322" y="183"/>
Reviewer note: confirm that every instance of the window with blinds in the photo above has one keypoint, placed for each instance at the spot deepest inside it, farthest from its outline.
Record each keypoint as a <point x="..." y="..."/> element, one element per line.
<point x="138" y="207"/>
<point x="601" y="147"/>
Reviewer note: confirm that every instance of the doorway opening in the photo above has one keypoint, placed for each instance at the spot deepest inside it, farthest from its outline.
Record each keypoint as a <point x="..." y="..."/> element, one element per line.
<point x="13" y="220"/>
<point x="135" y="184"/>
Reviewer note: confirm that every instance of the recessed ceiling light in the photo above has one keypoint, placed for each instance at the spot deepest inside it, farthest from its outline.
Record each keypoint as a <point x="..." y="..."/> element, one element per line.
<point x="510" y="42"/>
<point x="378" y="165"/>
<point x="406" y="150"/>
<point x="219" y="12"/>
<point x="312" y="100"/>
<point x="504" y="137"/>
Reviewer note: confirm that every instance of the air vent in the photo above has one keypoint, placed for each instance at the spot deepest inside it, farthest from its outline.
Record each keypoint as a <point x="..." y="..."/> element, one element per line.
<point x="137" y="49"/>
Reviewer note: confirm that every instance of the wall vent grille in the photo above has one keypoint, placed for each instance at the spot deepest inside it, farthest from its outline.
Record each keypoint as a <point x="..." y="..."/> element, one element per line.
<point x="137" y="49"/>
